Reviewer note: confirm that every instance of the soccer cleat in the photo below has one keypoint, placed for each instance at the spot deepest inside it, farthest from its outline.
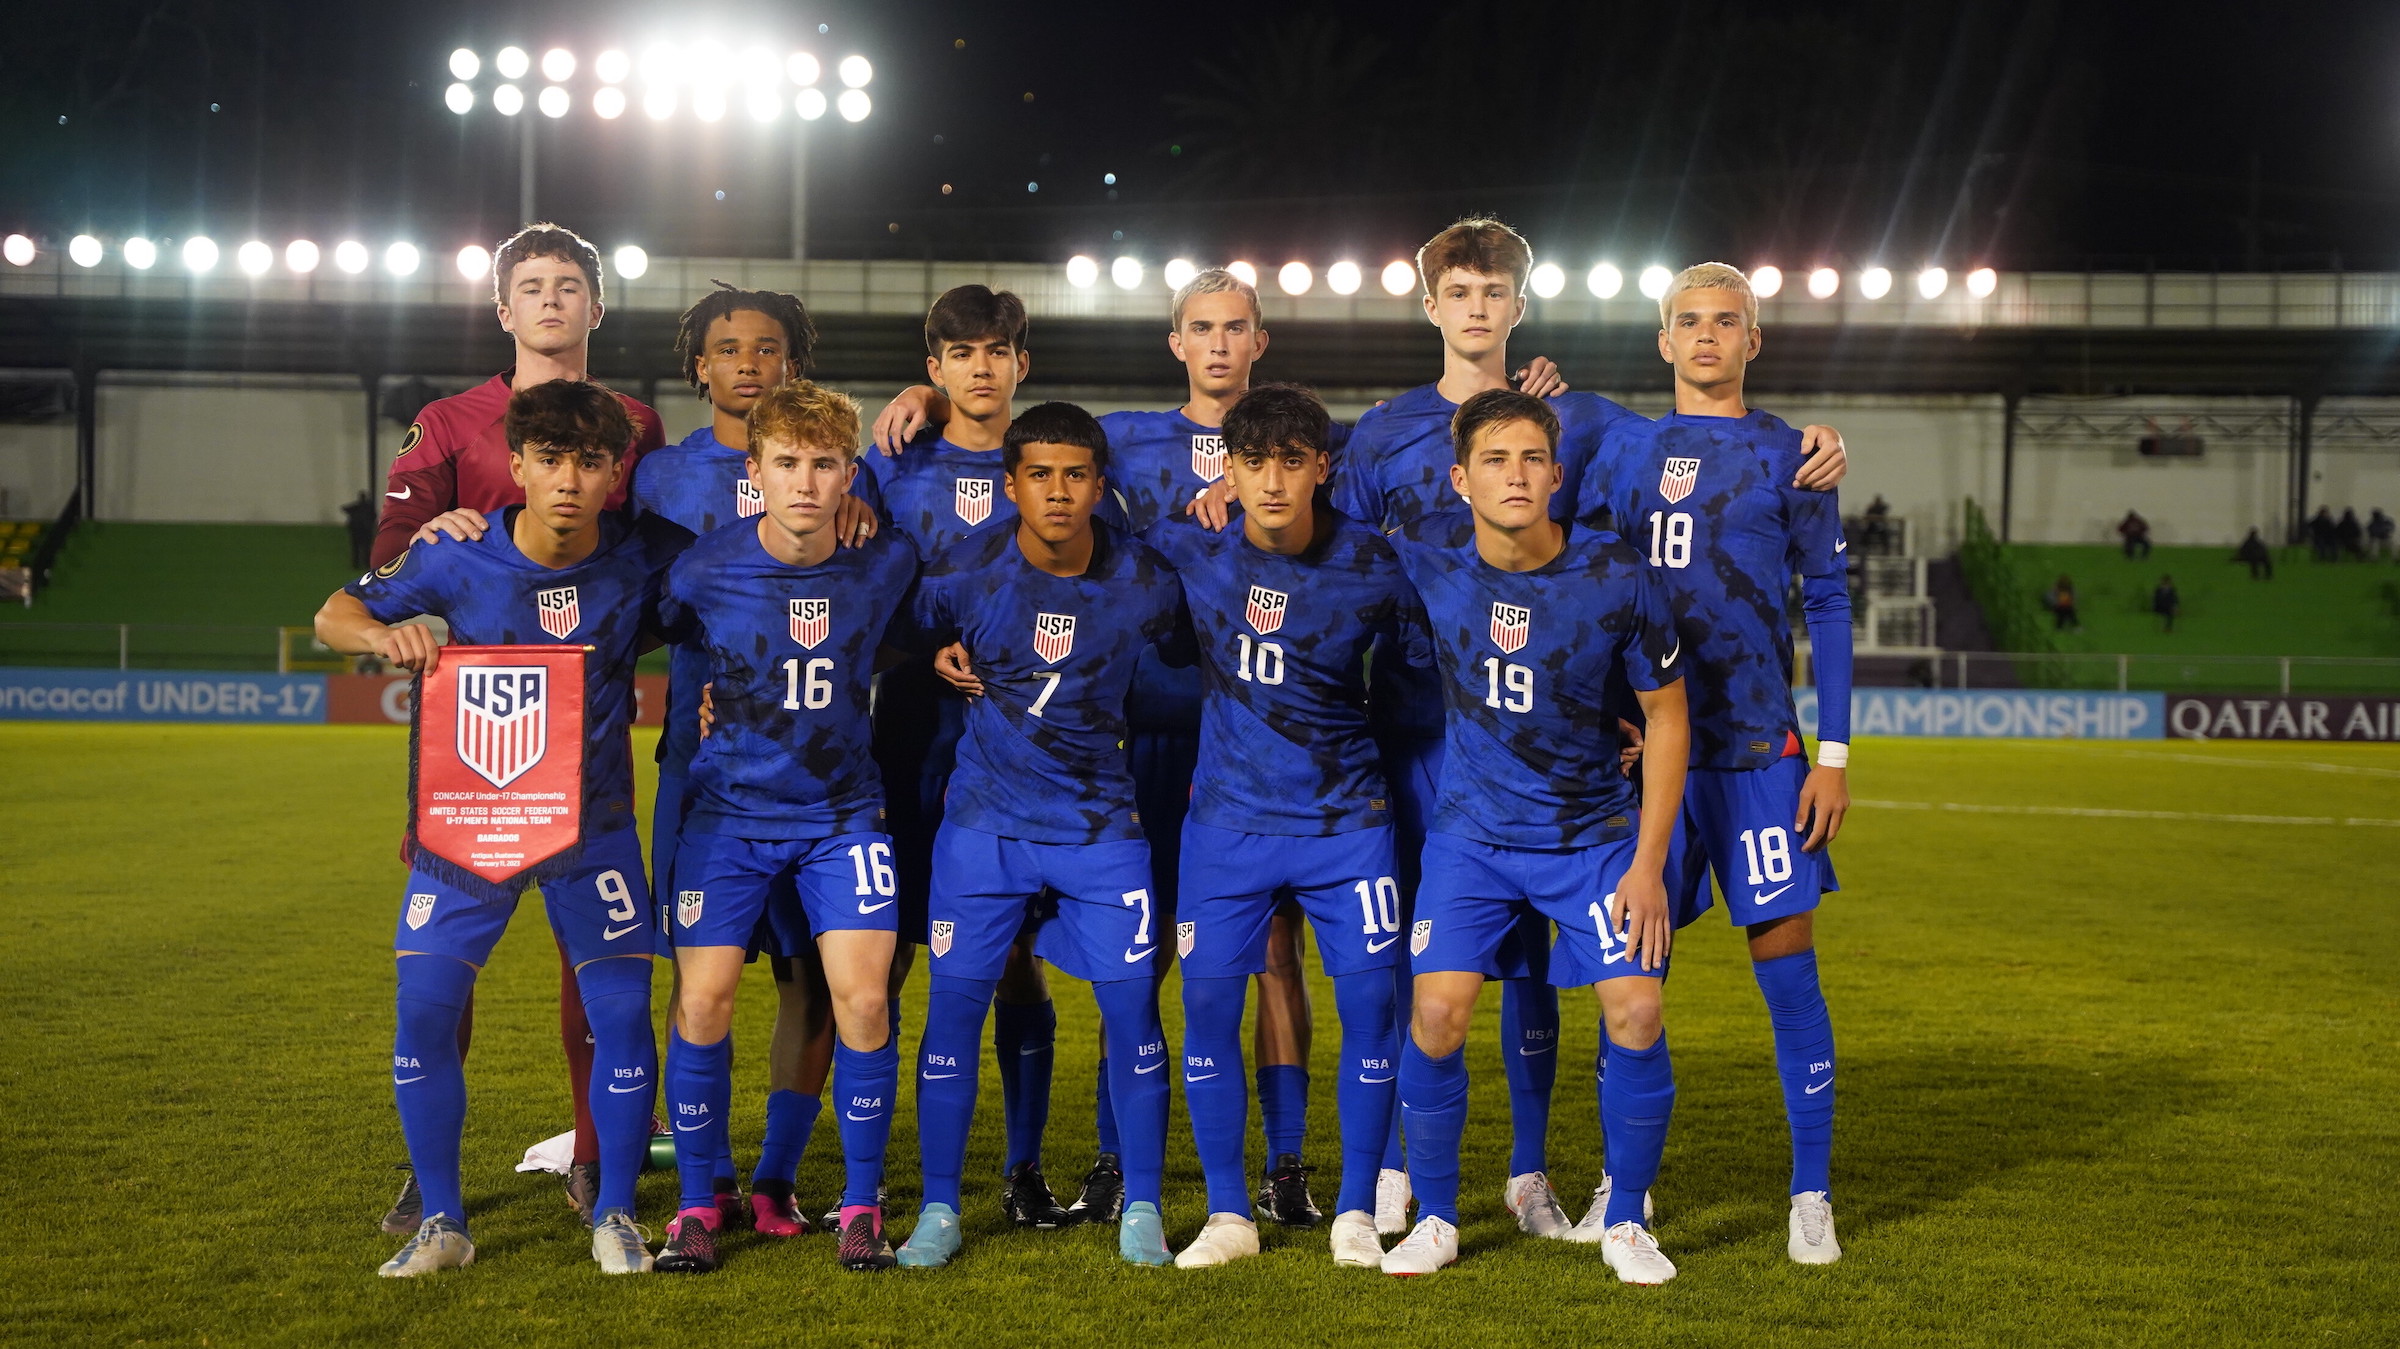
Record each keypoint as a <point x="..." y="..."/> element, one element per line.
<point x="1633" y="1253"/>
<point x="1535" y="1207"/>
<point x="620" y="1245"/>
<point x="1595" y="1219"/>
<point x="1355" y="1245"/>
<point x="408" y="1211"/>
<point x="691" y="1243"/>
<point x="1284" y="1193"/>
<point x="730" y="1208"/>
<point x="1392" y="1200"/>
<point x="863" y="1249"/>
<point x="583" y="1189"/>
<point x="1226" y="1237"/>
<point x="934" y="1242"/>
<point x="832" y="1221"/>
<point x="774" y="1213"/>
<point x="440" y="1243"/>
<point x="1103" y="1196"/>
<point x="1025" y="1197"/>
<point x="1142" y="1234"/>
<point x="1430" y="1246"/>
<point x="1812" y="1241"/>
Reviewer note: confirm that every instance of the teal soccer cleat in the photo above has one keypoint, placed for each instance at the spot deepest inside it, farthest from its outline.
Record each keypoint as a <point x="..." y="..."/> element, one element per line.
<point x="935" y="1240"/>
<point x="1142" y="1234"/>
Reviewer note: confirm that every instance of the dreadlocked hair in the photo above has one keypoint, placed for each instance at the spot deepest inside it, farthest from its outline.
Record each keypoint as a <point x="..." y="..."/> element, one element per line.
<point x="691" y="331"/>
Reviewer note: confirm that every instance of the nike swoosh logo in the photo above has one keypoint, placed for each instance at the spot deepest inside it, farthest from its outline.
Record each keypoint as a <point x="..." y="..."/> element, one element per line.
<point x="1523" y="1052"/>
<point x="403" y="494"/>
<point x="1841" y="545"/>
<point x="616" y="1090"/>
<point x="404" y="1081"/>
<point x="1371" y="1081"/>
<point x="862" y="1116"/>
<point x="863" y="908"/>
<point x="1202" y="1077"/>
<point x="1811" y="1091"/>
<point x="615" y="932"/>
<point x="1374" y="946"/>
<point x="1671" y="655"/>
<point x="935" y="1077"/>
<point x="1769" y="897"/>
<point x="1132" y="956"/>
<point x="1138" y="1069"/>
<point x="682" y="1128"/>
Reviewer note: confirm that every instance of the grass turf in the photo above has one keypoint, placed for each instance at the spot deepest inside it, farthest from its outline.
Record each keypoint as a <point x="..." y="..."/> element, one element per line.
<point x="2104" y="1080"/>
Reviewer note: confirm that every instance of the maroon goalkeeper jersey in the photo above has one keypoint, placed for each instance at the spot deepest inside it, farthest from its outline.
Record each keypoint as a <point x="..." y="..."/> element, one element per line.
<point x="457" y="455"/>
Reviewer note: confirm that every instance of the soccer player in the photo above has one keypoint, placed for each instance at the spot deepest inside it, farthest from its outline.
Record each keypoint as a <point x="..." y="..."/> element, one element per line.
<point x="786" y="821"/>
<point x="456" y="460"/>
<point x="1288" y="800"/>
<point x="1041" y="829"/>
<point x="1705" y="493"/>
<point x="1533" y="620"/>
<point x="567" y="444"/>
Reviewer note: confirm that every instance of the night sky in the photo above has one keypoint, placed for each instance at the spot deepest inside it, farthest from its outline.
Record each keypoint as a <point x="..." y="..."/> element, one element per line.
<point x="2026" y="135"/>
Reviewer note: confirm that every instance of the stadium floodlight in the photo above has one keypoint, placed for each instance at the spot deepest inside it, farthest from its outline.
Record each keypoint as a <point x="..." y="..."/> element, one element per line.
<point x="1766" y="282"/>
<point x="1823" y="282"/>
<point x="854" y="105"/>
<point x="1982" y="282"/>
<point x="1247" y="273"/>
<point x="1604" y="281"/>
<point x="474" y="262"/>
<point x="1295" y="278"/>
<point x="1655" y="280"/>
<point x="810" y="104"/>
<point x="1344" y="278"/>
<point x="1082" y="271"/>
<point x="140" y="254"/>
<point x="558" y="65"/>
<point x="759" y="66"/>
<point x="632" y="262"/>
<point x="400" y="259"/>
<point x="608" y="103"/>
<point x="661" y="65"/>
<point x="199" y="253"/>
<point x="351" y="256"/>
<point x="707" y="63"/>
<point x="1875" y="282"/>
<point x="85" y="251"/>
<point x="1549" y="279"/>
<point x="708" y="103"/>
<point x="459" y="98"/>
<point x="300" y="256"/>
<point x="1178" y="273"/>
<point x="803" y="69"/>
<point x="1399" y="277"/>
<point x="1126" y="272"/>
<point x="254" y="258"/>
<point x="465" y="65"/>
<point x="762" y="104"/>
<point x="555" y="101"/>
<point x="659" y="104"/>
<point x="512" y="63"/>
<point x="18" y="249"/>
<point x="612" y="66"/>
<point x="1932" y="282"/>
<point x="856" y="71"/>
<point x="508" y="100"/>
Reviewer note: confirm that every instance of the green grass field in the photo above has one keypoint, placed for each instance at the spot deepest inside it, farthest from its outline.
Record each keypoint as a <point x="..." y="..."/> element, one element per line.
<point x="2105" y="1080"/>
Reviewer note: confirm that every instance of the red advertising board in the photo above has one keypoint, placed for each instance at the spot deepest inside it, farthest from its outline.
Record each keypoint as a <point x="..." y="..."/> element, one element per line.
<point x="499" y="758"/>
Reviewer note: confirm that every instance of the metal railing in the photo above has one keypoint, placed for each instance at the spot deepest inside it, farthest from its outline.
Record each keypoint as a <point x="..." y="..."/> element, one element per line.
<point x="166" y="646"/>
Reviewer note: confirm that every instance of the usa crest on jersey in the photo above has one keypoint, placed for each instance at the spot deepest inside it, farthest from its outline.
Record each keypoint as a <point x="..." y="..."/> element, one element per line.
<point x="558" y="611"/>
<point x="811" y="620"/>
<point x="502" y="729"/>
<point x="1678" y="478"/>
<point x="748" y="500"/>
<point x="1266" y="608"/>
<point x="1208" y="457"/>
<point x="1053" y="637"/>
<point x="1511" y="625"/>
<point x="972" y="499"/>
<point x="942" y="932"/>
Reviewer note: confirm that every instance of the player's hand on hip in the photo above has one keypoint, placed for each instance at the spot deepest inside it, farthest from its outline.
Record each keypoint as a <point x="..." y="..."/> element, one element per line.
<point x="1213" y="507"/>
<point x="1824" y="799"/>
<point x="411" y="646"/>
<point x="1827" y="460"/>
<point x="464" y="524"/>
<point x="1541" y="378"/>
<point x="903" y="417"/>
<point x="1638" y="914"/>
<point x="854" y="522"/>
<point x="952" y="664"/>
<point x="708" y="709"/>
<point x="1629" y="752"/>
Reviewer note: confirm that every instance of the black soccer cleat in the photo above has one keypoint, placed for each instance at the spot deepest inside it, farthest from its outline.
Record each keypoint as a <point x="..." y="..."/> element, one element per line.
<point x="408" y="1211"/>
<point x="1025" y="1197"/>
<point x="691" y="1245"/>
<point x="863" y="1249"/>
<point x="1283" y="1194"/>
<point x="1103" y="1197"/>
<point x="583" y="1189"/>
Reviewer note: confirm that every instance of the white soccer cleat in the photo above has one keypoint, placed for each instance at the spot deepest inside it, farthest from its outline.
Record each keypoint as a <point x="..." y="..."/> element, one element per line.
<point x="1633" y="1253"/>
<point x="1535" y="1207"/>
<point x="1392" y="1200"/>
<point x="1595" y="1219"/>
<point x="1812" y="1241"/>
<point x="440" y="1243"/>
<point x="621" y="1246"/>
<point x="1226" y="1237"/>
<point x="1430" y="1246"/>
<point x="1355" y="1245"/>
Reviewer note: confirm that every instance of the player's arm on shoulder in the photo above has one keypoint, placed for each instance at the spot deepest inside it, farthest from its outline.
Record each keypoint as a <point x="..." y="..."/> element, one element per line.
<point x="422" y="483"/>
<point x="1542" y="378"/>
<point x="1825" y="459"/>
<point x="913" y="410"/>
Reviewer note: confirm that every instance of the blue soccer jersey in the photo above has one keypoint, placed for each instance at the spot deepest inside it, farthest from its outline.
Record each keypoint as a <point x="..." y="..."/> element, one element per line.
<point x="1043" y="754"/>
<point x="1157" y="462"/>
<point x="1396" y="469"/>
<point x="493" y="595"/>
<point x="791" y="658"/>
<point x="1525" y="661"/>
<point x="1709" y="503"/>
<point x="1284" y="746"/>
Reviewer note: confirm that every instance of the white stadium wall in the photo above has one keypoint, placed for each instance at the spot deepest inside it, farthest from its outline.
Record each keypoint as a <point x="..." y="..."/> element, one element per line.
<point x="238" y="449"/>
<point x="37" y="469"/>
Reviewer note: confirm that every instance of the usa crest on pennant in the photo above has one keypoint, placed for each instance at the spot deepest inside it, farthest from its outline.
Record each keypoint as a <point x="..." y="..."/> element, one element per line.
<point x="1511" y="625"/>
<point x="1208" y="457"/>
<point x="748" y="500"/>
<point x="811" y="620"/>
<point x="942" y="932"/>
<point x="501" y="729"/>
<point x="1677" y="480"/>
<point x="1053" y="636"/>
<point x="973" y="500"/>
<point x="558" y="611"/>
<point x="1266" y="608"/>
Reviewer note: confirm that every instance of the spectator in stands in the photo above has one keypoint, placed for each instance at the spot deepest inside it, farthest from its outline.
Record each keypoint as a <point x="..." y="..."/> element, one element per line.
<point x="2254" y="551"/>
<point x="2136" y="532"/>
<point x="2379" y="534"/>
<point x="2320" y="535"/>
<point x="2061" y="603"/>
<point x="359" y="516"/>
<point x="2166" y="602"/>
<point x="1875" y="533"/>
<point x="2350" y="536"/>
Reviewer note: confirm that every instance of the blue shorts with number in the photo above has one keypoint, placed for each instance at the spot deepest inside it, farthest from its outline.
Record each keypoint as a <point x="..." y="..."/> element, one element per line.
<point x="803" y="888"/>
<point x="1476" y="894"/>
<point x="1090" y="903"/>
<point x="1232" y="883"/>
<point x="1737" y="823"/>
<point x="600" y="909"/>
<point x="1412" y="765"/>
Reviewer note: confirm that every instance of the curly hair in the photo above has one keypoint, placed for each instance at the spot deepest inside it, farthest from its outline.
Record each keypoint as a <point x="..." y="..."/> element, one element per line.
<point x="691" y="330"/>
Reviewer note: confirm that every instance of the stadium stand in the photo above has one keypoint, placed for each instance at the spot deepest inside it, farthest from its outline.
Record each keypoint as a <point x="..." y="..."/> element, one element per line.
<point x="2316" y="609"/>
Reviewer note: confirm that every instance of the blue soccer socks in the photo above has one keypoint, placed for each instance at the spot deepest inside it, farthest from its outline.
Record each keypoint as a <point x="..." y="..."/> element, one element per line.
<point x="616" y="1000"/>
<point x="429" y="1083"/>
<point x="865" y="1083"/>
<point x="699" y="1093"/>
<point x="1529" y="1053"/>
<point x="1433" y="1104"/>
<point x="791" y="1118"/>
<point x="947" y="1070"/>
<point x="1213" y="1090"/>
<point x="1104" y="1111"/>
<point x="1804" y="1060"/>
<point x="1025" y="1040"/>
<point x="1283" y="1107"/>
<point x="1136" y="1049"/>
<point x="1368" y="1086"/>
<point x="1637" y="1098"/>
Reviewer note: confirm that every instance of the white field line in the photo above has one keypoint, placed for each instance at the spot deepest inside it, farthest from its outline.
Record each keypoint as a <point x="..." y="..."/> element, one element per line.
<point x="2224" y="761"/>
<point x="2095" y="812"/>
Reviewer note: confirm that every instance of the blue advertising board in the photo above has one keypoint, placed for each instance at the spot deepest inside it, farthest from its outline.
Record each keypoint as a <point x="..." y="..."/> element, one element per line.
<point x="31" y="694"/>
<point x="1997" y="714"/>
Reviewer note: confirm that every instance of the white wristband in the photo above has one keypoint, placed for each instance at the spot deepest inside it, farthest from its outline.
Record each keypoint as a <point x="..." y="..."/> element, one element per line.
<point x="1833" y="754"/>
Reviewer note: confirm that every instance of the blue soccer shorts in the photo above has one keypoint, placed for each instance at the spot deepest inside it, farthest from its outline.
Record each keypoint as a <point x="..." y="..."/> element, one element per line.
<point x="803" y="888"/>
<point x="1737" y="823"/>
<point x="1413" y="768"/>
<point x="1090" y="902"/>
<point x="1475" y="895"/>
<point x="601" y="908"/>
<point x="1233" y="881"/>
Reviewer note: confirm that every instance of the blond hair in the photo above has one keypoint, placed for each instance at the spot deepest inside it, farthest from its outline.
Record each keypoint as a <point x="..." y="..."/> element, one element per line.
<point x="1476" y="244"/>
<point x="805" y="414"/>
<point x="1217" y="281"/>
<point x="1709" y="276"/>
